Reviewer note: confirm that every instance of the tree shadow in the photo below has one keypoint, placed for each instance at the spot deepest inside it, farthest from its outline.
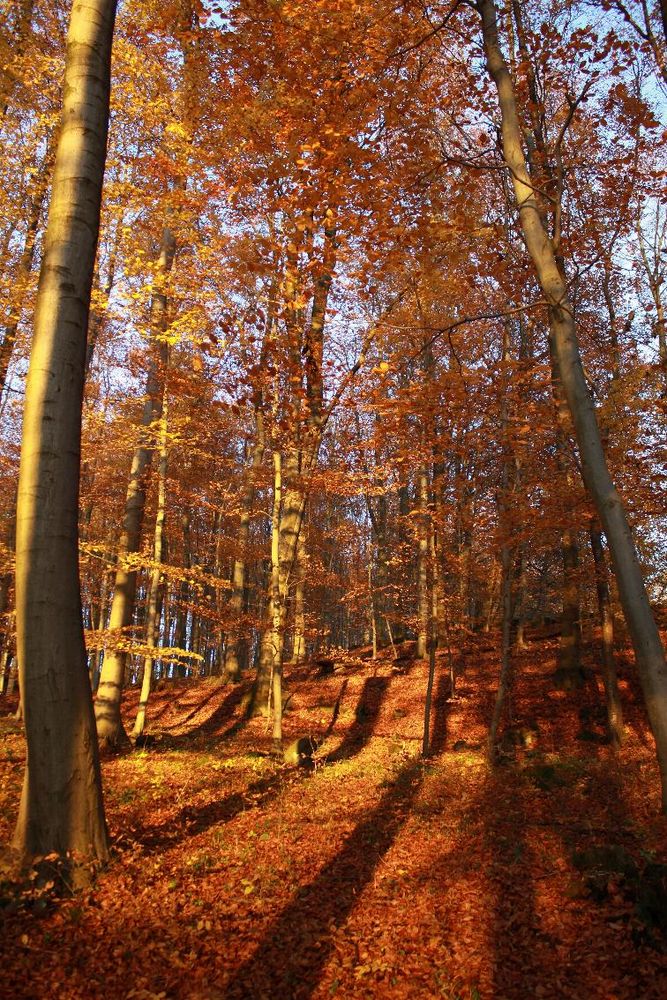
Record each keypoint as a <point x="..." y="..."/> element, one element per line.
<point x="289" y="960"/>
<point x="440" y="711"/>
<point x="192" y="819"/>
<point x="366" y="715"/>
<point x="515" y="916"/>
<point x="223" y="714"/>
<point x="575" y="807"/>
<point x="634" y="704"/>
<point x="195" y="819"/>
<point x="155" y="715"/>
<point x="232" y="699"/>
<point x="403" y="665"/>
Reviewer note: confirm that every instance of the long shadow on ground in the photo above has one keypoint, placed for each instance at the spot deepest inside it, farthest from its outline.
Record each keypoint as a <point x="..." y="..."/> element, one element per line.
<point x="289" y="960"/>
<point x="366" y="716"/>
<point x="582" y="805"/>
<point x="511" y="874"/>
<point x="193" y="819"/>
<point x="440" y="710"/>
<point x="223" y="714"/>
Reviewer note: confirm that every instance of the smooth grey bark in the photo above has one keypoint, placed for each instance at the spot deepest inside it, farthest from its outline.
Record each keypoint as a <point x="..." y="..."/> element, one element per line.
<point x="569" y="674"/>
<point x="181" y="626"/>
<point x="236" y="646"/>
<point x="9" y="670"/>
<point x="268" y="680"/>
<point x="378" y="557"/>
<point x="61" y="807"/>
<point x="288" y="512"/>
<point x="649" y="653"/>
<point x="291" y="470"/>
<point x="97" y="657"/>
<point x="299" y="638"/>
<point x="428" y="699"/>
<point x="432" y="630"/>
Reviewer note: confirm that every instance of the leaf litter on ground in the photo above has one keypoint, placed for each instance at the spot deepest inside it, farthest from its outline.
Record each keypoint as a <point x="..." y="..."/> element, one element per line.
<point x="375" y="874"/>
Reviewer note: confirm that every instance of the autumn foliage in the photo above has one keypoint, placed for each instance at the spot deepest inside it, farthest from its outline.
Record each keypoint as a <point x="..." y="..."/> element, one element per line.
<point x="347" y="428"/>
<point x="375" y="874"/>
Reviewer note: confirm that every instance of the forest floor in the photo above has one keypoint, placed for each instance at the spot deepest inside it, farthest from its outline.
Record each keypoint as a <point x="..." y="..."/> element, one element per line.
<point x="376" y="874"/>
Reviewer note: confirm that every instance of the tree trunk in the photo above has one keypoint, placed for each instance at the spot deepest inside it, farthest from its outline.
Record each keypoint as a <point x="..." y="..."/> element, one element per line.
<point x="569" y="674"/>
<point x="11" y="669"/>
<point x="423" y="596"/>
<point x="9" y="545"/>
<point x="519" y="613"/>
<point x="299" y="643"/>
<point x="6" y="661"/>
<point x="612" y="696"/>
<point x="378" y="571"/>
<point x="433" y="633"/>
<point x="107" y="705"/>
<point x="646" y="642"/>
<point x="505" y="681"/>
<point x="152" y="617"/>
<point x="428" y="700"/>
<point x="181" y="627"/>
<point x="235" y="647"/>
<point x="95" y="665"/>
<point x="271" y="651"/>
<point x="292" y="508"/>
<point x="61" y="807"/>
<point x="300" y="459"/>
<point x="372" y="610"/>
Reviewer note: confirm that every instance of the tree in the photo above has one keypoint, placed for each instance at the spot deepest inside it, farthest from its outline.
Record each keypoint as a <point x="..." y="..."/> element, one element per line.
<point x="363" y="442"/>
<point x="107" y="705"/>
<point x="646" y="641"/>
<point x="61" y="807"/>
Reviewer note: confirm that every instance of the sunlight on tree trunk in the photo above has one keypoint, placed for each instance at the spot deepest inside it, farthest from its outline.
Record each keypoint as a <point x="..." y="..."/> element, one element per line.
<point x="110" y="728"/>
<point x="152" y="622"/>
<point x="423" y="597"/>
<point x="270" y="665"/>
<point x="236" y="646"/>
<point x="646" y="641"/>
<point x="61" y="807"/>
<point x="299" y="639"/>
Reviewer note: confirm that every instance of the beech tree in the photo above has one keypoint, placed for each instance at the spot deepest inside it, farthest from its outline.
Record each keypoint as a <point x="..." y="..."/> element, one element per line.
<point x="646" y="640"/>
<point x="379" y="375"/>
<point x="61" y="805"/>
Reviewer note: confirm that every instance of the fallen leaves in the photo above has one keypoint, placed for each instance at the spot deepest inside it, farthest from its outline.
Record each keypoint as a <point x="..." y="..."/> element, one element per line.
<point x="377" y="874"/>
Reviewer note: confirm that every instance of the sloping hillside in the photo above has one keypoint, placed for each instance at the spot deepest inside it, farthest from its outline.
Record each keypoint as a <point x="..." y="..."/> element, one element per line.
<point x="373" y="873"/>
